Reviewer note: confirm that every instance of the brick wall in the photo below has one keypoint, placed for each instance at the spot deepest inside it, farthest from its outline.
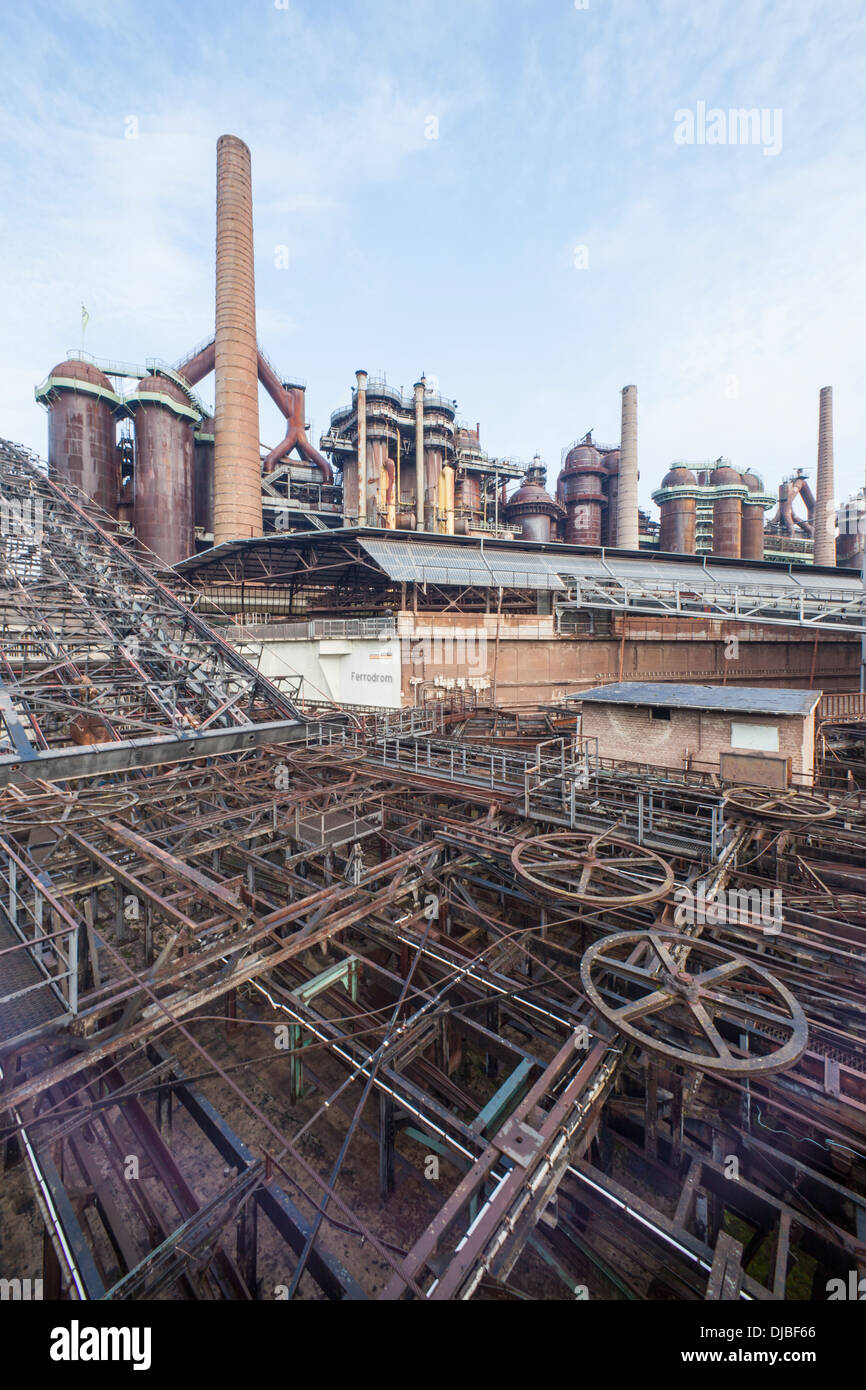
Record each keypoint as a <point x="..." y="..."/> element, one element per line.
<point x="698" y="737"/>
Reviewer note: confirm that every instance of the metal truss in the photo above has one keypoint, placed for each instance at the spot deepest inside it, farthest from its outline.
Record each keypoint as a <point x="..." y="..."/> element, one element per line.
<point x="96" y="649"/>
<point x="823" y="609"/>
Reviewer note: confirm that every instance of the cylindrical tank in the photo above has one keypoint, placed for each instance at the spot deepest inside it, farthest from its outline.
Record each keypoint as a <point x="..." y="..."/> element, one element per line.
<point x="752" y="547"/>
<point x="203" y="476"/>
<point x="433" y="461"/>
<point x="237" y="464"/>
<point x="163" y="468"/>
<point x="467" y="502"/>
<point x="582" y="490"/>
<point x="362" y="448"/>
<point x="727" y="511"/>
<point x="678" y="528"/>
<point x="377" y="454"/>
<point x="532" y="507"/>
<point x="81" y="448"/>
<point x="419" y="389"/>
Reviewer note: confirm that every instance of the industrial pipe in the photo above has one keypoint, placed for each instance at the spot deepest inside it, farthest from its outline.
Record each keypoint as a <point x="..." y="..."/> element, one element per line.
<point x="448" y="474"/>
<point x="290" y="400"/>
<point x="420" y="387"/>
<point x="390" y="490"/>
<point x="200" y="365"/>
<point x="361" y="408"/>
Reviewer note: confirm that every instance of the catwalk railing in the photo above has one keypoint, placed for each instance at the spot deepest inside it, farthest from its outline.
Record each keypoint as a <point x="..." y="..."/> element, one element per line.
<point x="830" y="609"/>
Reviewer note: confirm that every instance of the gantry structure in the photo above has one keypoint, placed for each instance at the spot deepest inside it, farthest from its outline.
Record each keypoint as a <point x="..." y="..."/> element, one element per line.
<point x="422" y="1004"/>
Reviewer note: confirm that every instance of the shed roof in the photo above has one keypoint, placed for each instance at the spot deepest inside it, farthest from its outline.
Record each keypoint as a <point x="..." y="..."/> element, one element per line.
<point x="724" y="699"/>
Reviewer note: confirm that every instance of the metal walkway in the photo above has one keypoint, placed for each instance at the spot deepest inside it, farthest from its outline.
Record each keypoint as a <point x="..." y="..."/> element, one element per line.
<point x="28" y="1000"/>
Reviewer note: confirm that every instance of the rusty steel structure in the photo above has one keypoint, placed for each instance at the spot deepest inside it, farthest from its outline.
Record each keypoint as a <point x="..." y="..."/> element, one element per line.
<point x="582" y="494"/>
<point x="386" y="1004"/>
<point x="729" y="490"/>
<point x="164" y="468"/>
<point x="532" y="508"/>
<point x="192" y="476"/>
<point x="678" y="532"/>
<point x="80" y="402"/>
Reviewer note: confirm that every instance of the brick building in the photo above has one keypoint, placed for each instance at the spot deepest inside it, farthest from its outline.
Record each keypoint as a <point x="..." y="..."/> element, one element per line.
<point x="746" y="734"/>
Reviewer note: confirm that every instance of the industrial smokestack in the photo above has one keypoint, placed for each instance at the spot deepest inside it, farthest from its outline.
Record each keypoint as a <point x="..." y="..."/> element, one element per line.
<point x="237" y="467"/>
<point x="361" y="407"/>
<point x="420" y="387"/>
<point x="627" y="535"/>
<point x="825" y="516"/>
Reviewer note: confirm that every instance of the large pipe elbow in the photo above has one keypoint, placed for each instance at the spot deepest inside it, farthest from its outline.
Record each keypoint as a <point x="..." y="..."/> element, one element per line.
<point x="312" y="455"/>
<point x="284" y="447"/>
<point x="196" y="368"/>
<point x="290" y="406"/>
<point x="297" y="439"/>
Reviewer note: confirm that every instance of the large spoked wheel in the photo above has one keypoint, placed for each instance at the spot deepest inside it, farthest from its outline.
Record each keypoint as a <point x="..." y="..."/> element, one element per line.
<point x="694" y="1013"/>
<point x="598" y="870"/>
<point x="19" y="817"/>
<point x="792" y="807"/>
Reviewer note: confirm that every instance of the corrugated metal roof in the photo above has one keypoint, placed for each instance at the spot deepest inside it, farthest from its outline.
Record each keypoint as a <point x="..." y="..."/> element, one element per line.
<point x="439" y="562"/>
<point x="726" y="699"/>
<point x="662" y="570"/>
<point x="403" y="555"/>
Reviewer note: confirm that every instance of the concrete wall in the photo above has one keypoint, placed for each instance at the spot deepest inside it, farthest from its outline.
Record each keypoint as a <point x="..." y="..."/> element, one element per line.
<point x="529" y="663"/>
<point x="523" y="659"/>
<point x="347" y="671"/>
<point x="691" y="738"/>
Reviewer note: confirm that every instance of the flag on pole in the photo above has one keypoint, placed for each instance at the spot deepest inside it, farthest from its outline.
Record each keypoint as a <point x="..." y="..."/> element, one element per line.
<point x="85" y="319"/>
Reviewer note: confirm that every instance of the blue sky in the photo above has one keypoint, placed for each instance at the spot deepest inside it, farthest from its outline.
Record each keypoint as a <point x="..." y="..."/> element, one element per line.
<point x="726" y="283"/>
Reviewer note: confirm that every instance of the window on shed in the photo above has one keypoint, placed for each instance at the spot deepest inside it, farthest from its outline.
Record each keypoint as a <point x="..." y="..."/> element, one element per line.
<point x="660" y="712"/>
<point x="762" y="737"/>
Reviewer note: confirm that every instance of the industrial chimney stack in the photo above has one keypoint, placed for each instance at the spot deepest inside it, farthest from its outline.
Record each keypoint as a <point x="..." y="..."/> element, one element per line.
<point x="627" y="535"/>
<point x="825" y="515"/>
<point x="237" y="467"/>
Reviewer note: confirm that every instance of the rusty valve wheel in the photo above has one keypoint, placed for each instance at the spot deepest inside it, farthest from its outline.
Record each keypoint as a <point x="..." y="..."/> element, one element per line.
<point x="598" y="870"/>
<point x="639" y="982"/>
<point x="794" y="807"/>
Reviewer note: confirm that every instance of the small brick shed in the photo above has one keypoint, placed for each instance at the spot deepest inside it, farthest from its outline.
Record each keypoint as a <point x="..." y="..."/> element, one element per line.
<point x="693" y="726"/>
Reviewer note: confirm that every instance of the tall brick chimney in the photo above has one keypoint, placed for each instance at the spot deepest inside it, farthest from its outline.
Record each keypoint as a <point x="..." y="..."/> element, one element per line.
<point x="627" y="535"/>
<point x="237" y="467"/>
<point x="825" y="513"/>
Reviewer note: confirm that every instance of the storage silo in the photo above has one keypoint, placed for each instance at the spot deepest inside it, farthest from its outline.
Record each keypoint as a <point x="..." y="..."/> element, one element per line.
<point x="164" y="420"/>
<point x="81" y="431"/>
<point x="677" y="499"/>
<point x="727" y="510"/>
<point x="753" y="521"/>
<point x="581" y="488"/>
<point x="533" y="508"/>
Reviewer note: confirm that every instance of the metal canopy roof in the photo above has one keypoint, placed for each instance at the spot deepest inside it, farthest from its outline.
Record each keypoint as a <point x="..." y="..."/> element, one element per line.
<point x="725" y="699"/>
<point x="439" y="562"/>
<point x="456" y="553"/>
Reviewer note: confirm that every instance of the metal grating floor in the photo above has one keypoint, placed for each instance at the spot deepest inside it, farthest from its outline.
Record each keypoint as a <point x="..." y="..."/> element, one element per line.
<point x="29" y="1012"/>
